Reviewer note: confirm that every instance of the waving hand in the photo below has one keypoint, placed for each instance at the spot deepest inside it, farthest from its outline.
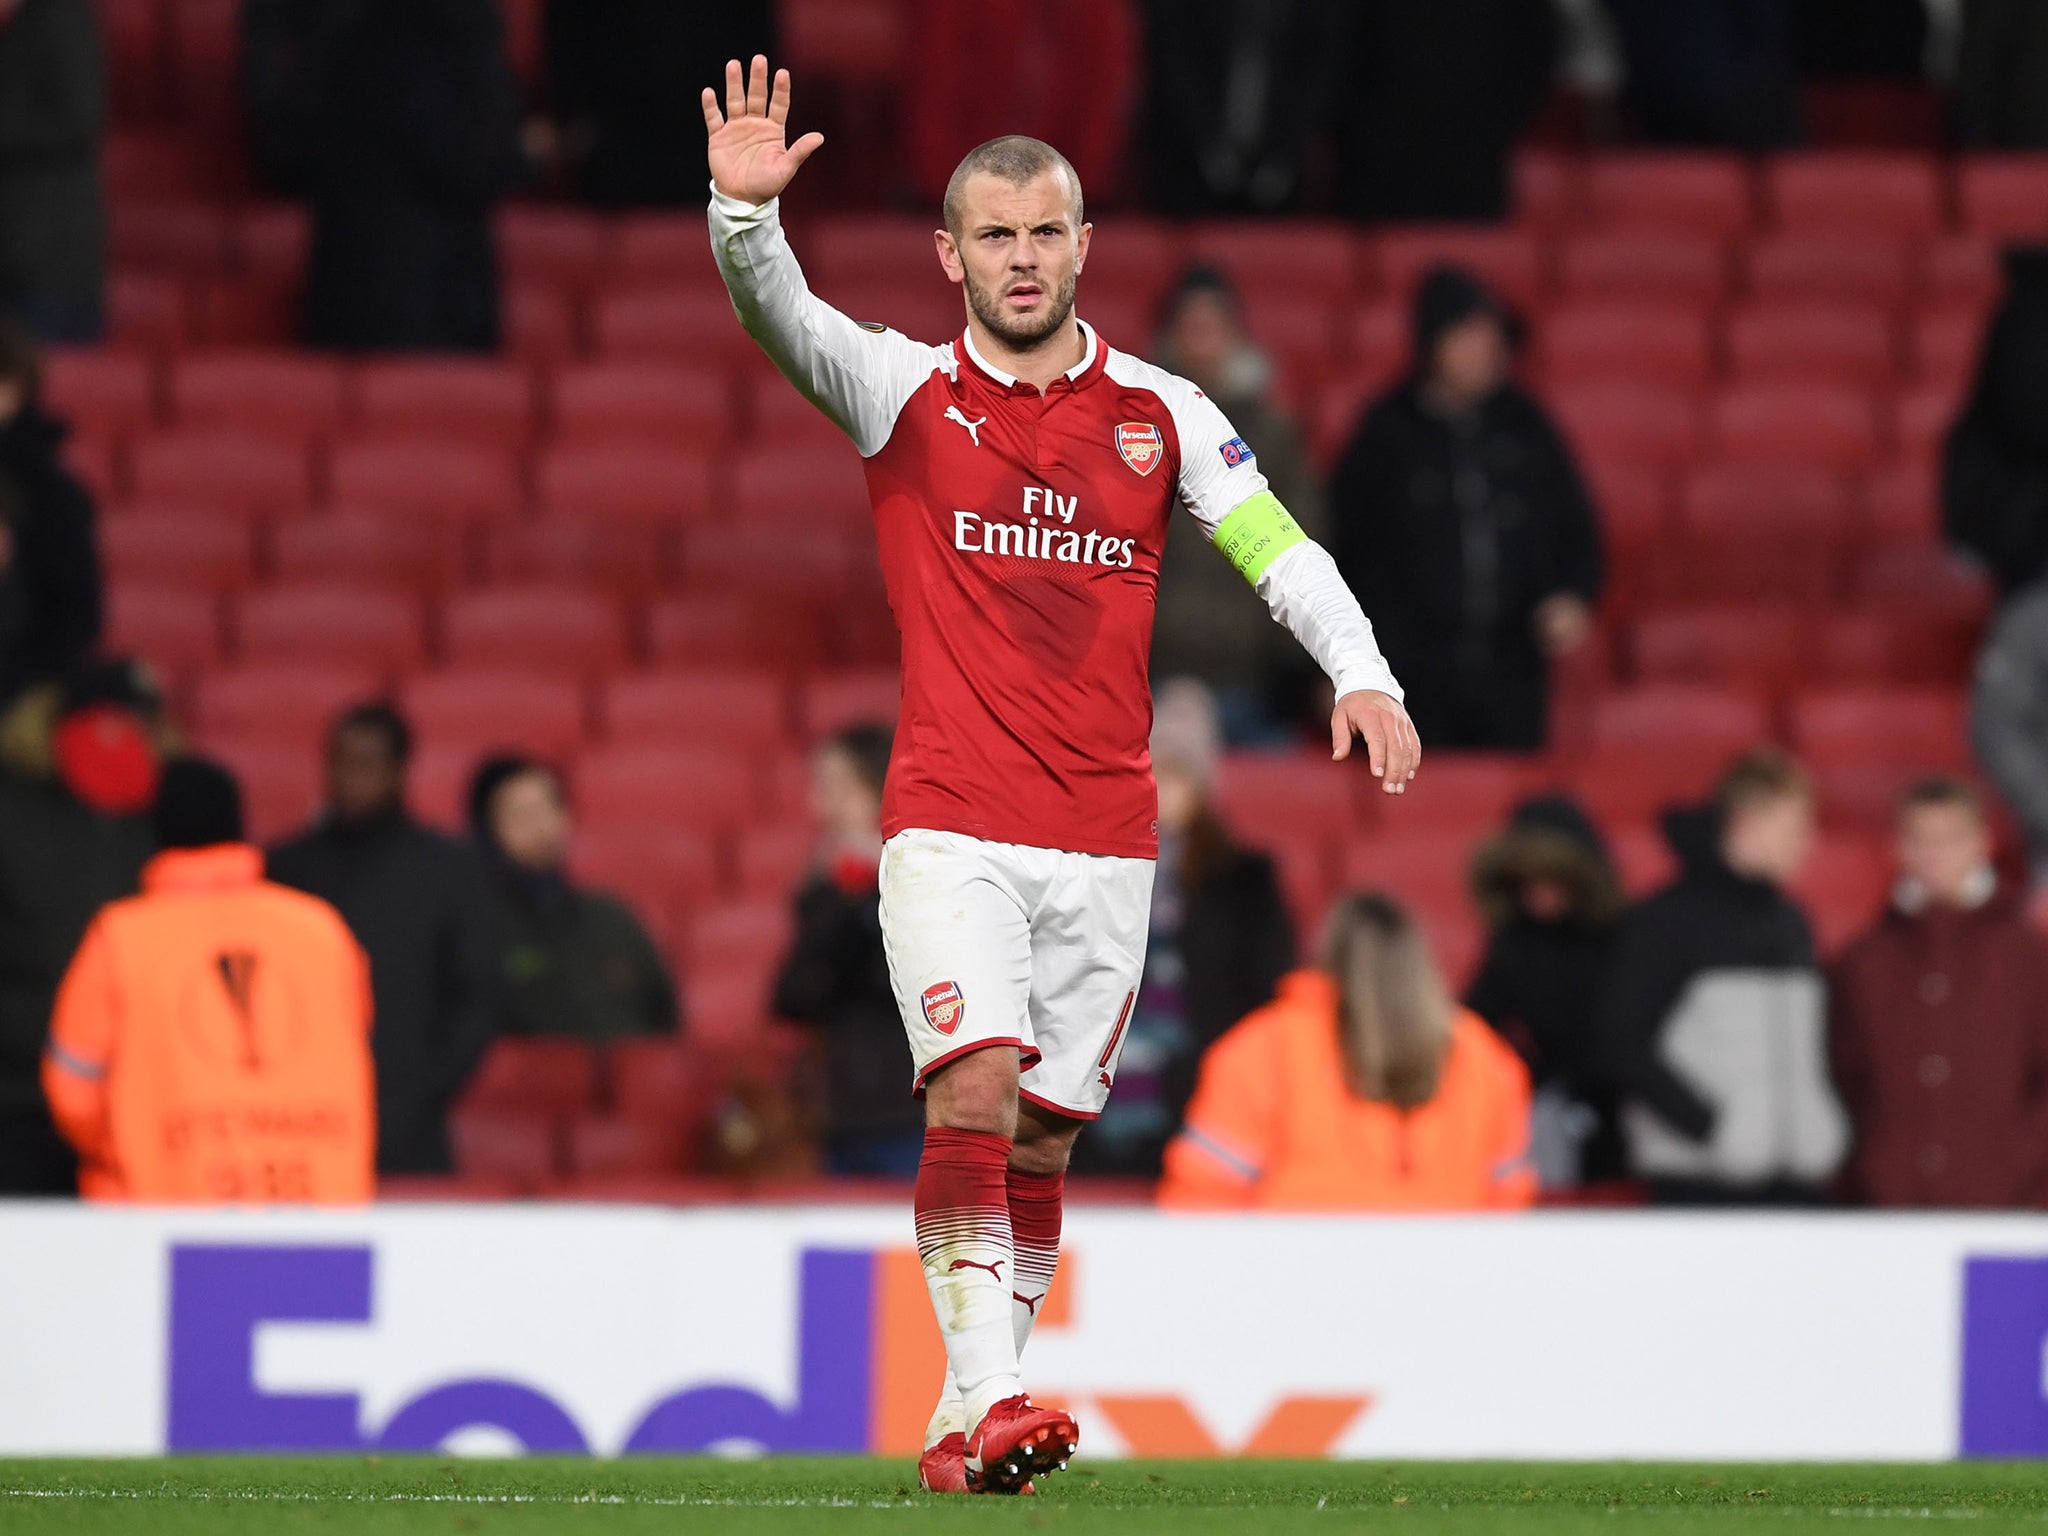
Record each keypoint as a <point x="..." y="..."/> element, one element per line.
<point x="749" y="158"/>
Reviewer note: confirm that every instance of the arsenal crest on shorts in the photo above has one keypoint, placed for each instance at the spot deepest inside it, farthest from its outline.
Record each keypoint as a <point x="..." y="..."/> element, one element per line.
<point x="1141" y="445"/>
<point x="943" y="1006"/>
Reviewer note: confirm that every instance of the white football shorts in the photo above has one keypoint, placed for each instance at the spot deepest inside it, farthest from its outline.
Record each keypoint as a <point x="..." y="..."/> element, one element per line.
<point x="999" y="944"/>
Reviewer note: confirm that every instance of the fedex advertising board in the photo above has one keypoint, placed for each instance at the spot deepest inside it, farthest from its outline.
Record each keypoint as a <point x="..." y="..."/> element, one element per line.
<point x="500" y="1329"/>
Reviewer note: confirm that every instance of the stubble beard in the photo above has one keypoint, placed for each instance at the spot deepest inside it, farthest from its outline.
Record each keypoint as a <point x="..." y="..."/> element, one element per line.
<point x="1024" y="333"/>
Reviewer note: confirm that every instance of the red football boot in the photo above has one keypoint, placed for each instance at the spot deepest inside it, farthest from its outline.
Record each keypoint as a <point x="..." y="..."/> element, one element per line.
<point x="1015" y="1442"/>
<point x="943" y="1466"/>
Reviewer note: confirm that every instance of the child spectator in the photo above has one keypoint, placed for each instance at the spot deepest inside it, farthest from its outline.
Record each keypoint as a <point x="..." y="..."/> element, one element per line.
<point x="1364" y="1087"/>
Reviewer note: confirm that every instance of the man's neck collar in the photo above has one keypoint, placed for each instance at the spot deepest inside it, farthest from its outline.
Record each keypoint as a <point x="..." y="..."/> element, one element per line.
<point x="1089" y="347"/>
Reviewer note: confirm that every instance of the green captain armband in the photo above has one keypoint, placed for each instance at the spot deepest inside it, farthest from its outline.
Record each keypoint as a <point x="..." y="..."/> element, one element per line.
<point x="1259" y="532"/>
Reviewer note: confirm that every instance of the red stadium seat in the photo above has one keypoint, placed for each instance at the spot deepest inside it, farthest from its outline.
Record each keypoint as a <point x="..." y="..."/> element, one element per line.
<point x="629" y="559"/>
<point x="1466" y="789"/>
<point x="1630" y="423"/>
<point x="2004" y="197"/>
<point x="1509" y="260"/>
<point x="1763" y="500"/>
<point x="1964" y="269"/>
<point x="1945" y="344"/>
<point x="270" y="240"/>
<point x="551" y="243"/>
<point x="280" y="781"/>
<point x="176" y="627"/>
<point x="329" y="622"/>
<point x="1922" y="579"/>
<point x="1825" y="343"/>
<point x="468" y="400"/>
<point x="540" y="324"/>
<point x="1706" y="722"/>
<point x="1855" y="195"/>
<point x="279" y="394"/>
<point x="782" y="422"/>
<point x="478" y="709"/>
<point x="740" y="937"/>
<point x="547" y="1075"/>
<point x="829" y="701"/>
<point x="228" y="471"/>
<point x="132" y="34"/>
<point x="775" y="485"/>
<point x="670" y="248"/>
<point x="612" y="1144"/>
<point x="516" y="1145"/>
<point x="1924" y="726"/>
<point x="1795" y="424"/>
<point x="100" y="391"/>
<point x="205" y="47"/>
<point x="743" y="710"/>
<point x="427" y="476"/>
<point x="922" y="305"/>
<point x="1697" y="194"/>
<point x="1669" y="345"/>
<point x="1750" y="645"/>
<point x="660" y="870"/>
<point x="695" y="789"/>
<point x="773" y="861"/>
<point x="1902" y="504"/>
<point x="375" y="549"/>
<point x="857" y="247"/>
<point x="290" y="705"/>
<point x="1132" y="258"/>
<point x="1321" y="259"/>
<point x="147" y="309"/>
<point x="209" y="551"/>
<point x="1843" y="888"/>
<point x="659" y="404"/>
<point x="1643" y="264"/>
<point x="167" y="235"/>
<point x="695" y="328"/>
<point x="1829" y="267"/>
<point x="615" y="483"/>
<point x="1634" y="499"/>
<point x="1306" y="792"/>
<point x="1758" y="563"/>
<point x="1883" y="647"/>
<point x="1547" y="186"/>
<point x="555" y="630"/>
<point x="721" y="628"/>
<point x="659" y="1078"/>
<point x="1922" y="418"/>
<point x="244" y="309"/>
<point x="781" y="563"/>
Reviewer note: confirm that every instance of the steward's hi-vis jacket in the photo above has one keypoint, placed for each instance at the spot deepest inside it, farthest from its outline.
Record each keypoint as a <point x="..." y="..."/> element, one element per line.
<point x="211" y="1042"/>
<point x="1274" y="1125"/>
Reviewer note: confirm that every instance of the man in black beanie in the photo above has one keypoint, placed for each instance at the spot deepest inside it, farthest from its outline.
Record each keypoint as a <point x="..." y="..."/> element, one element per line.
<point x="1460" y="520"/>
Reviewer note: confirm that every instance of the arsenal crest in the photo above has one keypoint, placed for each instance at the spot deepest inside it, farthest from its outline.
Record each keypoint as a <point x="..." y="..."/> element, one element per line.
<point x="943" y="1006"/>
<point x="1141" y="445"/>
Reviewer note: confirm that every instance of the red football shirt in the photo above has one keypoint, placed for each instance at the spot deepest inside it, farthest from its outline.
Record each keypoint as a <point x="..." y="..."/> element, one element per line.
<point x="1020" y="536"/>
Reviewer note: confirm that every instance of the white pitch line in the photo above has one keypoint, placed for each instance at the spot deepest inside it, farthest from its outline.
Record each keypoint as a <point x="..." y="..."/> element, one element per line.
<point x="286" y="1496"/>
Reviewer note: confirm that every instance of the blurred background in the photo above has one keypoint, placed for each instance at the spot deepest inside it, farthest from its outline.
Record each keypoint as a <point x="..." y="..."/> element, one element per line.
<point x="375" y="424"/>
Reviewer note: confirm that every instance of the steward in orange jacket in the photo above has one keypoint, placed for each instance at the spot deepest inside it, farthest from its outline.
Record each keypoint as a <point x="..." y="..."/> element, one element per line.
<point x="1310" y="1106"/>
<point x="211" y="1039"/>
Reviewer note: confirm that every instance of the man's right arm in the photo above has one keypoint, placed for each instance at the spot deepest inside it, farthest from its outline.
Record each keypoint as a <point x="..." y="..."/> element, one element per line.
<point x="858" y="376"/>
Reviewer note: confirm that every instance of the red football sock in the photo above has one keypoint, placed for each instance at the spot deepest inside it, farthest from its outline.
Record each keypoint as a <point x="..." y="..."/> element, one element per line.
<point x="963" y="1237"/>
<point x="1035" y="1206"/>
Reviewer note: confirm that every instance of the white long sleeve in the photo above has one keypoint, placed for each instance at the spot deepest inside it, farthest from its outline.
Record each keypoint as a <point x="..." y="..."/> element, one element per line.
<point x="1304" y="591"/>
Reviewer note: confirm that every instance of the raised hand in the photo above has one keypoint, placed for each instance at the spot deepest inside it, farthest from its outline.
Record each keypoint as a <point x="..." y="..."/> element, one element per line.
<point x="1391" y="745"/>
<point x="749" y="158"/>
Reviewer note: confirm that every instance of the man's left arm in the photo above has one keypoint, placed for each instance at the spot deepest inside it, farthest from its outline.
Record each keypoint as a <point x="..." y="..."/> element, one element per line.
<point x="1221" y="484"/>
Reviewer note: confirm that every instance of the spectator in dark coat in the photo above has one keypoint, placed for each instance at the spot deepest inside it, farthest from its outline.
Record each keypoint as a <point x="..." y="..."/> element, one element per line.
<point x="1552" y="901"/>
<point x="1939" y="1024"/>
<point x="420" y="905"/>
<point x="1434" y="95"/>
<point x="1459" y="519"/>
<point x="634" y="137"/>
<point x="53" y="224"/>
<point x="1995" y="475"/>
<point x="837" y="976"/>
<point x="1711" y="1022"/>
<point x="2009" y="720"/>
<point x="1221" y="939"/>
<point x="1999" y="103"/>
<point x="1210" y="624"/>
<point x="575" y="962"/>
<point x="420" y="140"/>
<point x="50" y="600"/>
<point x="78" y="770"/>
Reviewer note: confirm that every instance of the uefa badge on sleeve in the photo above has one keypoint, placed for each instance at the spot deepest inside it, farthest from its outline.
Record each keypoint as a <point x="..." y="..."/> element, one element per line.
<point x="1141" y="445"/>
<point x="943" y="1006"/>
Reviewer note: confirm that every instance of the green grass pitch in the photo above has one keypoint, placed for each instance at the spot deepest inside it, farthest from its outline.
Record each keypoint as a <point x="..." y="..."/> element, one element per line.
<point x="346" y="1495"/>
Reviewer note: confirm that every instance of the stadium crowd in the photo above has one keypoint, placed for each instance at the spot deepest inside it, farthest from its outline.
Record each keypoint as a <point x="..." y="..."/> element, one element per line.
<point x="1713" y="889"/>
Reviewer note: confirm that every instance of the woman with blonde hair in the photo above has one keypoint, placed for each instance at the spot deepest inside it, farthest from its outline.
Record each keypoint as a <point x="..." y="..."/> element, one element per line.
<point x="1361" y="1087"/>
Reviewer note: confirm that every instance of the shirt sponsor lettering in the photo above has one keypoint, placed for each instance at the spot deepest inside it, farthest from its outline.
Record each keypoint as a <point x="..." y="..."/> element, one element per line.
<point x="1033" y="539"/>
